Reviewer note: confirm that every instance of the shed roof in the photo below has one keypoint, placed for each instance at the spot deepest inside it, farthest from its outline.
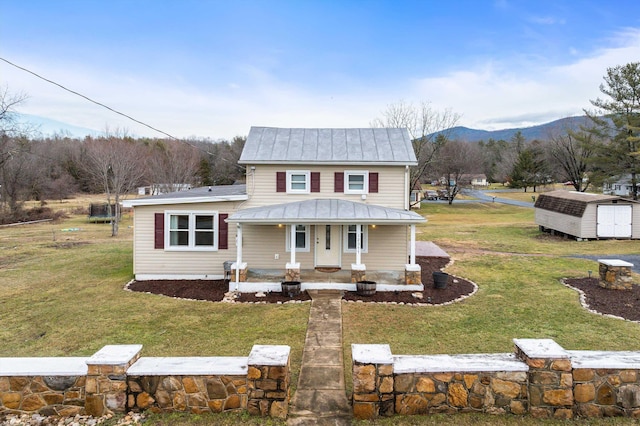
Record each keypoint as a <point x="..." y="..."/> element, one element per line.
<point x="325" y="211"/>
<point x="270" y="145"/>
<point x="571" y="203"/>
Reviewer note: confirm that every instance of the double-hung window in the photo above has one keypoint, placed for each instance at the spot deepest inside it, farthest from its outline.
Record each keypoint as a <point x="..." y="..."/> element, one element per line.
<point x="301" y="238"/>
<point x="298" y="181"/>
<point x="356" y="182"/>
<point x="191" y="230"/>
<point x="350" y="238"/>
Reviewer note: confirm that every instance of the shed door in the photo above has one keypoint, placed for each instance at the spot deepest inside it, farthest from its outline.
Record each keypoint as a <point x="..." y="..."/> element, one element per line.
<point x="614" y="221"/>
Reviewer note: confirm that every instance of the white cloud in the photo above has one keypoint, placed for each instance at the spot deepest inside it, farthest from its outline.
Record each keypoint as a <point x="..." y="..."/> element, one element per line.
<point x="502" y="95"/>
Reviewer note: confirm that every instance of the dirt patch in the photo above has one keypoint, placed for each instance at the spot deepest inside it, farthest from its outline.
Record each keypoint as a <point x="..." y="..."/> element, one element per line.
<point x="214" y="290"/>
<point x="621" y="303"/>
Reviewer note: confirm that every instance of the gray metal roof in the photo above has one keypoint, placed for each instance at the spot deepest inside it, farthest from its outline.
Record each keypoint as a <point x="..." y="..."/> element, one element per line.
<point x="195" y="195"/>
<point x="270" y="145"/>
<point x="325" y="211"/>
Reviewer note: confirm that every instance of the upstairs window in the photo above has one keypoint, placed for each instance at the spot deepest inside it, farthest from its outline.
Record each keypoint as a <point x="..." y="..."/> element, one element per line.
<point x="298" y="181"/>
<point x="356" y="182"/>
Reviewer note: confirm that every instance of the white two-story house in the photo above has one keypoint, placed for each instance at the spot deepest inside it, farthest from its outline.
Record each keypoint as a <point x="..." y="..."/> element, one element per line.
<point x="327" y="207"/>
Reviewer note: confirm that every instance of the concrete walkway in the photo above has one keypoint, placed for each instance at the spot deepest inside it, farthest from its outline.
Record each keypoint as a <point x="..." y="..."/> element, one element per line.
<point x="320" y="398"/>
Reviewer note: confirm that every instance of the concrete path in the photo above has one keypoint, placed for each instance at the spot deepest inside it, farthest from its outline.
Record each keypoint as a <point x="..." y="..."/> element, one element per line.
<point x="320" y="398"/>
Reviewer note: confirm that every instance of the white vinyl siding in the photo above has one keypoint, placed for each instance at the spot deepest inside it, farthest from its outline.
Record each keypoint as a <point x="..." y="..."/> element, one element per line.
<point x="158" y="262"/>
<point x="261" y="186"/>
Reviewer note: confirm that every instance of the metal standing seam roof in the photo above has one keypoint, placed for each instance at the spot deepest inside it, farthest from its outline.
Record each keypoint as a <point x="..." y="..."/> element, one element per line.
<point x="270" y="145"/>
<point x="325" y="211"/>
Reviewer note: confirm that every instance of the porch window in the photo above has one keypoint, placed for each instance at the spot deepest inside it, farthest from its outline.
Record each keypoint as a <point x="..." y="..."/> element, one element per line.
<point x="356" y="182"/>
<point x="350" y="239"/>
<point x="302" y="238"/>
<point x="298" y="181"/>
<point x="191" y="231"/>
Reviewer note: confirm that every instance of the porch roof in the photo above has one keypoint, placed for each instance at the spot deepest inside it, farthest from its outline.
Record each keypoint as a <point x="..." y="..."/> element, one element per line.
<point x="326" y="211"/>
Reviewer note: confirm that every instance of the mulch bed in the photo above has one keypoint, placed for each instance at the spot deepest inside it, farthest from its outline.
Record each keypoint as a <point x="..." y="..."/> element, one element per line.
<point x="214" y="290"/>
<point x="621" y="303"/>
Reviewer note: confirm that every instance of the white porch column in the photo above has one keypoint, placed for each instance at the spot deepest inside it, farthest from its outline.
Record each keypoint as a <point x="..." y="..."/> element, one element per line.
<point x="413" y="245"/>
<point x="358" y="244"/>
<point x="292" y="243"/>
<point x="238" y="250"/>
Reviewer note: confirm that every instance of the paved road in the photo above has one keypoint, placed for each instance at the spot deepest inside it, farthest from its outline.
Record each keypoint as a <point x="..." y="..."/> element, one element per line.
<point x="482" y="196"/>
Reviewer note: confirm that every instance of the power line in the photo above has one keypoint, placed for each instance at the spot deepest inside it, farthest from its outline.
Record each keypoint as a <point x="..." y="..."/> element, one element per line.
<point x="89" y="99"/>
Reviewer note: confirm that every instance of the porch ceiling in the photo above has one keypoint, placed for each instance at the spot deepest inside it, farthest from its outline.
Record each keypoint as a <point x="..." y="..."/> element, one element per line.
<point x="326" y="211"/>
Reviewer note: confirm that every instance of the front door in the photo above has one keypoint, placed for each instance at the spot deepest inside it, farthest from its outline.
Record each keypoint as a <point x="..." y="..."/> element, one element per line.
<point x="328" y="245"/>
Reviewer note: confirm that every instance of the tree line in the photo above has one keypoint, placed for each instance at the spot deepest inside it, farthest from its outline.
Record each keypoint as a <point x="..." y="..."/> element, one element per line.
<point x="54" y="168"/>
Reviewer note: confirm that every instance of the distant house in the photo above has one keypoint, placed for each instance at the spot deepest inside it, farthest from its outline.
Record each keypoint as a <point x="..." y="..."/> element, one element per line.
<point x="474" y="180"/>
<point x="587" y="216"/>
<point x="622" y="186"/>
<point x="316" y="201"/>
<point x="163" y="188"/>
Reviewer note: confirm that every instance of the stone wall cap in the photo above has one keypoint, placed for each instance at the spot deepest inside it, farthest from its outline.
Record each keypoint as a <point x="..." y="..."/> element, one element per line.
<point x="615" y="262"/>
<point x="290" y="265"/>
<point x="277" y="355"/>
<point x="114" y="355"/>
<point x="358" y="267"/>
<point x="406" y="364"/>
<point x="622" y="360"/>
<point x="541" y="348"/>
<point x="44" y="366"/>
<point x="412" y="267"/>
<point x="189" y="366"/>
<point x="371" y="354"/>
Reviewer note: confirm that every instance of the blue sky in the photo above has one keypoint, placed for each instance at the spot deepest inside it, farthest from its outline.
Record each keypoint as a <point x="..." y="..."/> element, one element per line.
<point x="215" y="68"/>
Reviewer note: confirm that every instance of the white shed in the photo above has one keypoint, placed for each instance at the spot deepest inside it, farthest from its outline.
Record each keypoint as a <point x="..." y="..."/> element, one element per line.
<point x="587" y="216"/>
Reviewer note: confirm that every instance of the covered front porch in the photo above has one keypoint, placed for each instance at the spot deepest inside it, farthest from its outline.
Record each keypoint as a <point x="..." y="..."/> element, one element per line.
<point x="325" y="244"/>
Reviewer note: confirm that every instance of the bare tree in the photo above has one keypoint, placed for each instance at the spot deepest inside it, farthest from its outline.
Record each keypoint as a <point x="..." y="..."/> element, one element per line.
<point x="455" y="160"/>
<point x="173" y="164"/>
<point x="428" y="128"/>
<point x="116" y="165"/>
<point x="571" y="153"/>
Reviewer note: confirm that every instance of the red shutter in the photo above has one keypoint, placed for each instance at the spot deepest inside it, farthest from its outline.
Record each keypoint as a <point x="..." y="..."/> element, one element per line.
<point x="223" y="232"/>
<point x="373" y="182"/>
<point x="158" y="229"/>
<point x="281" y="182"/>
<point x="338" y="182"/>
<point x="315" y="181"/>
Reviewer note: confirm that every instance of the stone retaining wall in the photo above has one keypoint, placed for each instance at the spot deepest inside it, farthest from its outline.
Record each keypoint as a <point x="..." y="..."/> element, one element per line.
<point x="540" y="379"/>
<point x="116" y="380"/>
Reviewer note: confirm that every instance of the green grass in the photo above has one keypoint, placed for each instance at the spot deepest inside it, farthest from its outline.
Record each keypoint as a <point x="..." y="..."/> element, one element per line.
<point x="61" y="294"/>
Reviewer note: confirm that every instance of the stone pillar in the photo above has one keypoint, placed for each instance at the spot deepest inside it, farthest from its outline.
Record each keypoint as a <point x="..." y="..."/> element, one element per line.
<point x="358" y="272"/>
<point x="550" y="377"/>
<point x="372" y="381"/>
<point x="615" y="274"/>
<point x="239" y="273"/>
<point x="292" y="272"/>
<point x="268" y="380"/>
<point x="412" y="274"/>
<point x="106" y="385"/>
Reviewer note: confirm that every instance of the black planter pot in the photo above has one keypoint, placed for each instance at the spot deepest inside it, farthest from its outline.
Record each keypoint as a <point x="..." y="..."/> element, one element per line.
<point x="440" y="279"/>
<point x="366" y="288"/>
<point x="291" y="288"/>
